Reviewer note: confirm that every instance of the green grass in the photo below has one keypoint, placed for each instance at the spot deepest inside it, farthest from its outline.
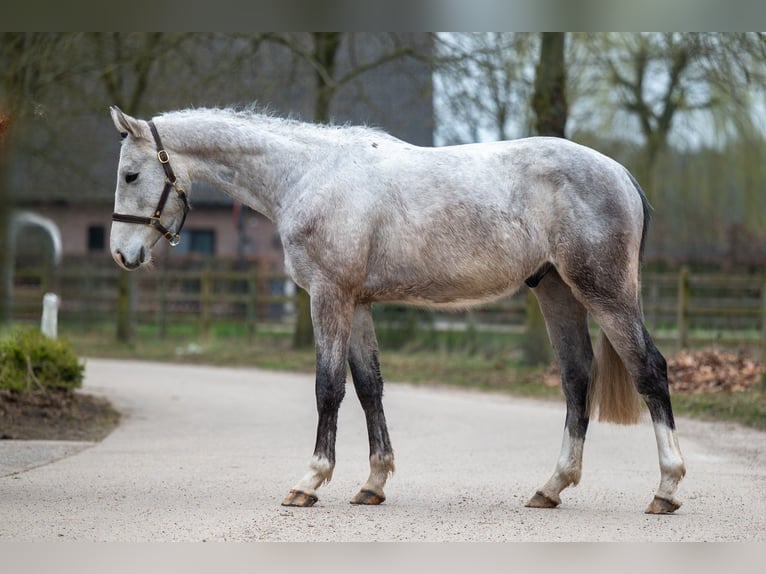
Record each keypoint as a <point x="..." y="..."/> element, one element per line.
<point x="745" y="407"/>
<point x="485" y="361"/>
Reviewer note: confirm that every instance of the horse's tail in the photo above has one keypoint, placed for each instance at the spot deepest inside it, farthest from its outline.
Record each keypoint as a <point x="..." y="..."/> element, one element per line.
<point x="647" y="215"/>
<point x="611" y="390"/>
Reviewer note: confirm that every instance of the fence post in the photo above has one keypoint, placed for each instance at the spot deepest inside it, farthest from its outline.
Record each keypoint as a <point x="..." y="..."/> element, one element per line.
<point x="763" y="332"/>
<point x="684" y="292"/>
<point x="163" y="314"/>
<point x="654" y="297"/>
<point x="252" y="288"/>
<point x="206" y="291"/>
<point x="49" y="320"/>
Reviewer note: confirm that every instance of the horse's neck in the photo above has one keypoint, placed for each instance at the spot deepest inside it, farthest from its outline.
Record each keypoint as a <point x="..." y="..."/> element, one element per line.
<point x="257" y="165"/>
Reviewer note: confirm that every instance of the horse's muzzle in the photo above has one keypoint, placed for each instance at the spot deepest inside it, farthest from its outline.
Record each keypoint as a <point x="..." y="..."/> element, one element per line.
<point x="130" y="264"/>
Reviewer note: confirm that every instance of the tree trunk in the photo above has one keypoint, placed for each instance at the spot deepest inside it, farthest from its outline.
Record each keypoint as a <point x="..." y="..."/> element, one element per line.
<point x="549" y="100"/>
<point x="125" y="74"/>
<point x="550" y="106"/>
<point x="326" y="46"/>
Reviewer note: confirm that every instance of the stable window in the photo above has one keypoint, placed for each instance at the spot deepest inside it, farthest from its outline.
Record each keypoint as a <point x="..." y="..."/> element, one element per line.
<point x="200" y="241"/>
<point x="96" y="238"/>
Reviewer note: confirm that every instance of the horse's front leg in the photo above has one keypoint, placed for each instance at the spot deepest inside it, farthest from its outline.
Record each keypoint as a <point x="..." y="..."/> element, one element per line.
<point x="368" y="382"/>
<point x="331" y="315"/>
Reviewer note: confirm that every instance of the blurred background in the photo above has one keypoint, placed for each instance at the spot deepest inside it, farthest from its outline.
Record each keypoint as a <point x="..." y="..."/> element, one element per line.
<point x="683" y="111"/>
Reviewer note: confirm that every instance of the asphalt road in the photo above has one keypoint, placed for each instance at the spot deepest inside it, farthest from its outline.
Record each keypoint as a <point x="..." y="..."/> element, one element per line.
<point x="208" y="453"/>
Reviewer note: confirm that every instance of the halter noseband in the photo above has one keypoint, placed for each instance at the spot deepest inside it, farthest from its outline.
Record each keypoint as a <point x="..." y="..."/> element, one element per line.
<point x="174" y="238"/>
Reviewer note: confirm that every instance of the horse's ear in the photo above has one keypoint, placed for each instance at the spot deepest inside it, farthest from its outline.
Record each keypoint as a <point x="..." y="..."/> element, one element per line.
<point x="126" y="124"/>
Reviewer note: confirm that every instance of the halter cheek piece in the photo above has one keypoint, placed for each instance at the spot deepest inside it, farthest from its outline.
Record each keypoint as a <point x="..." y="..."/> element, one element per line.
<point x="173" y="237"/>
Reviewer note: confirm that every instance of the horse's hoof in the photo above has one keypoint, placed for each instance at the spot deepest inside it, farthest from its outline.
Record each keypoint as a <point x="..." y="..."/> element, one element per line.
<point x="299" y="498"/>
<point x="367" y="497"/>
<point x="662" y="506"/>
<point x="539" y="500"/>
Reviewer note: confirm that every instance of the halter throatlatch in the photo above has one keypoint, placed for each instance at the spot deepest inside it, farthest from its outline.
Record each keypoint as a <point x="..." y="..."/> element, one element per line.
<point x="173" y="237"/>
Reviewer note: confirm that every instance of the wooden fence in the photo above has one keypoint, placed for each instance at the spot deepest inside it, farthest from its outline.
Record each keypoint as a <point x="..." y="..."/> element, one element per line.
<point x="158" y="297"/>
<point x="712" y="308"/>
<point x="682" y="307"/>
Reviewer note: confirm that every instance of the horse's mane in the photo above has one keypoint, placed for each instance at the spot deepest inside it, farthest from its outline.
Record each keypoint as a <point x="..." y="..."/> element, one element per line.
<point x="266" y="117"/>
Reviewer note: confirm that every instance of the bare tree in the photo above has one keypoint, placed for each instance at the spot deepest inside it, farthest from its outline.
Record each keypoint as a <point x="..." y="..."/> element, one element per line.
<point x="549" y="103"/>
<point x="491" y="90"/>
<point x="124" y="64"/>
<point x="658" y="78"/>
<point x="484" y="84"/>
<point x="320" y="51"/>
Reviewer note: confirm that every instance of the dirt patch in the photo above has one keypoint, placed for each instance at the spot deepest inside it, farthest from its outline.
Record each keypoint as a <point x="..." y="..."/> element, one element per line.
<point x="41" y="415"/>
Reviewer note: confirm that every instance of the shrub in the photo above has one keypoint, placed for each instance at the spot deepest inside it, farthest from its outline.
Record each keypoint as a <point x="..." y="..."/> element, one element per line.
<point x="31" y="361"/>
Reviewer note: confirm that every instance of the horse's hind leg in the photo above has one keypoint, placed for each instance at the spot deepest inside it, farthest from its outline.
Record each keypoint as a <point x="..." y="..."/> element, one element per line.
<point x="365" y="370"/>
<point x="332" y="315"/>
<point x="566" y="321"/>
<point x="648" y="370"/>
<point x="627" y="346"/>
<point x="652" y="384"/>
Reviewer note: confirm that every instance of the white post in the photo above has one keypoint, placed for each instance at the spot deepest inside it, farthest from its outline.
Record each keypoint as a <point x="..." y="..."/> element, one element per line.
<point x="49" y="322"/>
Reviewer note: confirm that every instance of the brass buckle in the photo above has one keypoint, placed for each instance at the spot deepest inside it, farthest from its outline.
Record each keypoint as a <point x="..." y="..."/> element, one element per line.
<point x="163" y="156"/>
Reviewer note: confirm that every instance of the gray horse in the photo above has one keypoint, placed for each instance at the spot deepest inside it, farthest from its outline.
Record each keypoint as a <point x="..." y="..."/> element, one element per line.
<point x="365" y="217"/>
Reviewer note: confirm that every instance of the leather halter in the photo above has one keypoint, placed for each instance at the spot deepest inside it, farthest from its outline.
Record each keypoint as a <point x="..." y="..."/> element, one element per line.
<point x="173" y="237"/>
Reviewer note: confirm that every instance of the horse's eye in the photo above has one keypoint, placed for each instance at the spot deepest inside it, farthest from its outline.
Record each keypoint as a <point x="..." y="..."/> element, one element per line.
<point x="131" y="177"/>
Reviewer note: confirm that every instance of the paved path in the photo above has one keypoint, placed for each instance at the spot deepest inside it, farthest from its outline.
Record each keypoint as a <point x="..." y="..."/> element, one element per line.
<point x="208" y="453"/>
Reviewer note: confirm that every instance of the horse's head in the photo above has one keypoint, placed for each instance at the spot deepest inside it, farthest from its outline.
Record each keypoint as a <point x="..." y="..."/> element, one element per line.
<point x="149" y="202"/>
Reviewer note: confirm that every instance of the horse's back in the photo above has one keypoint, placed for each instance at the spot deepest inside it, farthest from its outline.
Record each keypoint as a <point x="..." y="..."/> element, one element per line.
<point x="464" y="224"/>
